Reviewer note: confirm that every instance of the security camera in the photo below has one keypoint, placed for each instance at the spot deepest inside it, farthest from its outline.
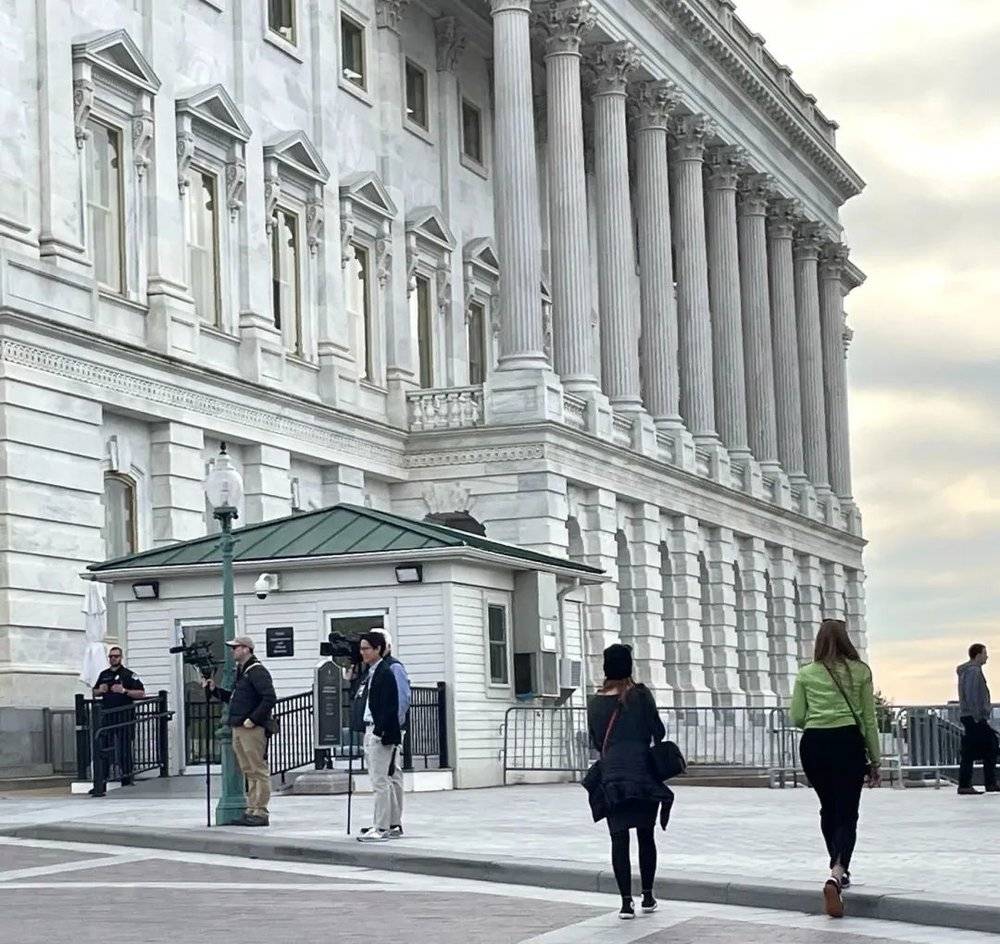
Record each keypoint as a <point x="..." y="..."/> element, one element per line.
<point x="264" y="584"/>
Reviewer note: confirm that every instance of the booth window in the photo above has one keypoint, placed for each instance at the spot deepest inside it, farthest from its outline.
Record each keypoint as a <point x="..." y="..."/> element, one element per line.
<point x="120" y="537"/>
<point x="497" y="626"/>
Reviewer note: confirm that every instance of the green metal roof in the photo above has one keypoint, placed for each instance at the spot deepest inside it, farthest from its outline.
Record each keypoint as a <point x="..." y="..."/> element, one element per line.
<point x="340" y="530"/>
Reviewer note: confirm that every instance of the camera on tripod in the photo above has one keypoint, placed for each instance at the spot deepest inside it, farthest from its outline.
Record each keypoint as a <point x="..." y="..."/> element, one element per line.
<point x="199" y="655"/>
<point x="341" y="649"/>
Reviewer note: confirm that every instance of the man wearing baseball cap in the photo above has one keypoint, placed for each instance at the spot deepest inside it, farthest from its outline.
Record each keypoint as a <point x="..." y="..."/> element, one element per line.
<point x="250" y="705"/>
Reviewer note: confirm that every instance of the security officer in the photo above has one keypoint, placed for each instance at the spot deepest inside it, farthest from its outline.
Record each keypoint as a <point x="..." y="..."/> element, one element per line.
<point x="117" y="687"/>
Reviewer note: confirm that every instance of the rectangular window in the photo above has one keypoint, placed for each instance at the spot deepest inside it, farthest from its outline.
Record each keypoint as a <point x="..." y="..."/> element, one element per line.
<point x="104" y="204"/>
<point x="359" y="306"/>
<point x="497" y="627"/>
<point x="352" y="52"/>
<point x="472" y="131"/>
<point x="477" y="343"/>
<point x="203" y="244"/>
<point x="281" y="18"/>
<point x="416" y="94"/>
<point x="425" y="328"/>
<point x="286" y="300"/>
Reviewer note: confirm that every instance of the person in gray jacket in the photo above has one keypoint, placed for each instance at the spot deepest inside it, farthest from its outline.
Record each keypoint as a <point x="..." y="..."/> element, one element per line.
<point x="975" y="708"/>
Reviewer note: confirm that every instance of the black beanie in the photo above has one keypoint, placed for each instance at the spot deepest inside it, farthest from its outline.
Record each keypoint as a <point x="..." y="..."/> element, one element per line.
<point x="618" y="662"/>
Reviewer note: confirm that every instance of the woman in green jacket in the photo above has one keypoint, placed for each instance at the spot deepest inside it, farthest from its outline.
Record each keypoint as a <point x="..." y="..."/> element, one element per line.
<point x="834" y="704"/>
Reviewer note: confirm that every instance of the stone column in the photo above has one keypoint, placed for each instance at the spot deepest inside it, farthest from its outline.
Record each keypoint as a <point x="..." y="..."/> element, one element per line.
<point x="597" y="517"/>
<point x="177" y="471"/>
<point x="565" y="23"/>
<point x="854" y="597"/>
<point x="724" y="166"/>
<point x="834" y="592"/>
<point x="753" y="625"/>
<point x="807" y="244"/>
<point x="831" y="272"/>
<point x="783" y="634"/>
<point x="516" y="175"/>
<point x="810" y="608"/>
<point x="680" y="576"/>
<point x="642" y="531"/>
<point x="654" y="102"/>
<point x="782" y="217"/>
<point x="613" y="63"/>
<point x="342" y="483"/>
<point x="754" y="192"/>
<point x="720" y="642"/>
<point x="694" y="320"/>
<point x="266" y="483"/>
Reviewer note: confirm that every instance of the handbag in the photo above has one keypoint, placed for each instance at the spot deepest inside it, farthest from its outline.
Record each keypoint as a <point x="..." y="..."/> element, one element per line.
<point x="850" y="707"/>
<point x="668" y="761"/>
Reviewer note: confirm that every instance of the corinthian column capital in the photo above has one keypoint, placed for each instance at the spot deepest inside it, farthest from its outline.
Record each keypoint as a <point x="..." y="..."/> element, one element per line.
<point x="654" y="102"/>
<point x="564" y="23"/>
<point x="389" y="13"/>
<point x="689" y="134"/>
<point x="510" y="6"/>
<point x="833" y="260"/>
<point x="753" y="194"/>
<point x="783" y="215"/>
<point x="725" y="164"/>
<point x="808" y="240"/>
<point x="612" y="65"/>
<point x="450" y="38"/>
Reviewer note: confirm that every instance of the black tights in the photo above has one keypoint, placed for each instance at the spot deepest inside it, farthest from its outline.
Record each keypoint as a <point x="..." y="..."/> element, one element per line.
<point x="622" y="863"/>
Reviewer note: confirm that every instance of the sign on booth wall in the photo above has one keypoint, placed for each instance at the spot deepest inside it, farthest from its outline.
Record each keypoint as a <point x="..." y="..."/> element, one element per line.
<point x="280" y="642"/>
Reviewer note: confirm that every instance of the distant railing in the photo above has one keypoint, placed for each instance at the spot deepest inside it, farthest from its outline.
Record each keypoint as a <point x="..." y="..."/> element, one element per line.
<point x="449" y="408"/>
<point x="621" y="430"/>
<point x="575" y="411"/>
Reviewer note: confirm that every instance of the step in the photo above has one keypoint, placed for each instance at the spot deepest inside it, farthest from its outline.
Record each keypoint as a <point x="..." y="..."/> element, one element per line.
<point x="52" y="781"/>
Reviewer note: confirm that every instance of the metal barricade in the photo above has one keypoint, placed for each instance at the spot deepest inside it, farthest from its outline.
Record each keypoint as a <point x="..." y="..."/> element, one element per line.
<point x="545" y="740"/>
<point x="292" y="747"/>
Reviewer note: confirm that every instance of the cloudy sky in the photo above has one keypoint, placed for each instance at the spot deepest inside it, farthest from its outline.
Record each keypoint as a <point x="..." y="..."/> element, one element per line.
<point x="909" y="82"/>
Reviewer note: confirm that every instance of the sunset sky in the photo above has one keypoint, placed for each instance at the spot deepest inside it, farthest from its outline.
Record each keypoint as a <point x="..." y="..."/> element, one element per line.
<point x="909" y="82"/>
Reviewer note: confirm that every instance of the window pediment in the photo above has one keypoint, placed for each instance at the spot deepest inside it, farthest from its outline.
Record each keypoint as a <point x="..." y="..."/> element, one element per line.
<point x="481" y="255"/>
<point x="297" y="153"/>
<point x="366" y="190"/>
<point x="116" y="53"/>
<point x="428" y="223"/>
<point x="214" y="106"/>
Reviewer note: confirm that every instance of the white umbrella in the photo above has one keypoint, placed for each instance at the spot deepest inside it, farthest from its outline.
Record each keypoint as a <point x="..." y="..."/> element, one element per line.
<point x="95" y="621"/>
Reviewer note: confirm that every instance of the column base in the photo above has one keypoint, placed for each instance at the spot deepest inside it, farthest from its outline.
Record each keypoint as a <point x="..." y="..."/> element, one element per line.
<point x="746" y="473"/>
<point x="528" y="395"/>
<point x="803" y="495"/>
<point x="675" y="442"/>
<point x="776" y="486"/>
<point x="712" y="458"/>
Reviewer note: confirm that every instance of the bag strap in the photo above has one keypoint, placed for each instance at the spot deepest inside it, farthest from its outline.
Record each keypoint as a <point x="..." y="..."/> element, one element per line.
<point x="611" y="727"/>
<point x="840" y="688"/>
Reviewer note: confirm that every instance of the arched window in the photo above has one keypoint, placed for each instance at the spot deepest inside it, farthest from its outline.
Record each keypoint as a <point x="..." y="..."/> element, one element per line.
<point x="120" y="534"/>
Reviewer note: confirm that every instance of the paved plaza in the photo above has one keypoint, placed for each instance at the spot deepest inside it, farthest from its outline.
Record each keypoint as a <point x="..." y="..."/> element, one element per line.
<point x="61" y="892"/>
<point x="917" y="842"/>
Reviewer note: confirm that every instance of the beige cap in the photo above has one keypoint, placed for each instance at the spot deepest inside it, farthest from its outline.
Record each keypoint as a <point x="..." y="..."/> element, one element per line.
<point x="240" y="641"/>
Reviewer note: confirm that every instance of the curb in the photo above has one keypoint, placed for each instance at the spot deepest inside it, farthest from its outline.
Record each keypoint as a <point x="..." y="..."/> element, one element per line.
<point x="885" y="904"/>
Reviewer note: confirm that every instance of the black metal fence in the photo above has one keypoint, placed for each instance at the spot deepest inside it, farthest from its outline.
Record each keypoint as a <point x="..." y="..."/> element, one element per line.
<point x="292" y="747"/>
<point x="201" y="723"/>
<point x="119" y="743"/>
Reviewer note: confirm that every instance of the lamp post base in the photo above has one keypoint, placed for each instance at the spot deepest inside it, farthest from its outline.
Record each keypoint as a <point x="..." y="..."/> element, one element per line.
<point x="232" y="805"/>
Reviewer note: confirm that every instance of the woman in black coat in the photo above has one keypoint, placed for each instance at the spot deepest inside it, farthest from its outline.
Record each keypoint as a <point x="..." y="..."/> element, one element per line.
<point x="624" y="724"/>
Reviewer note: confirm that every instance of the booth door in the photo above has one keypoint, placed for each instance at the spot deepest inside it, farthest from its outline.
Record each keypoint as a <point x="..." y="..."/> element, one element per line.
<point x="201" y="719"/>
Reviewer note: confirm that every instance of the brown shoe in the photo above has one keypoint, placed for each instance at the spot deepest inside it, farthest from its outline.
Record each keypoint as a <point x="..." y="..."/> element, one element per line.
<point x="833" y="902"/>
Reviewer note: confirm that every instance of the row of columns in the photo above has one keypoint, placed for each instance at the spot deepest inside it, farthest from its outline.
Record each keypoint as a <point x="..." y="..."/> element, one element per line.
<point x="750" y="353"/>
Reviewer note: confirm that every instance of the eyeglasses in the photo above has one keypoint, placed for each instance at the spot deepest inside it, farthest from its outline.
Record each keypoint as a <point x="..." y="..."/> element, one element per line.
<point x="115" y="655"/>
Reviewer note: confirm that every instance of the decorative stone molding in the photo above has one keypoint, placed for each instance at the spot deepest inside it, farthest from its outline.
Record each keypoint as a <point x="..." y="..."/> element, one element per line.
<point x="428" y="237"/>
<point x="293" y="168"/>
<point x="142" y="141"/>
<point x="612" y="66"/>
<point x="451" y="40"/>
<point x="314" y="222"/>
<point x="185" y="152"/>
<point x="653" y="103"/>
<point x="364" y="199"/>
<point x="389" y="13"/>
<point x="83" y="102"/>
<point x="423" y="460"/>
<point x="236" y="181"/>
<point x="442" y="278"/>
<point x="783" y="215"/>
<point x="754" y="192"/>
<point x="272" y="193"/>
<point x="205" y="117"/>
<point x="457" y="408"/>
<point x="412" y="261"/>
<point x="383" y="258"/>
<point x="564" y="23"/>
<point x="444" y="497"/>
<point x="689" y="133"/>
<point x="833" y="261"/>
<point x="724" y="166"/>
<point x="808" y="240"/>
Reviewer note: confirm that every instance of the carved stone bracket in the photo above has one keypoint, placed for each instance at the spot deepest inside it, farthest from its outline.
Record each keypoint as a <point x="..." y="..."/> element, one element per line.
<point x="142" y="141"/>
<point x="272" y="193"/>
<point x="383" y="258"/>
<point x="612" y="65"/>
<point x="442" y="279"/>
<point x="451" y="41"/>
<point x="565" y="23"/>
<point x="389" y="13"/>
<point x="83" y="102"/>
<point x="315" y="217"/>
<point x="412" y="260"/>
<point x="185" y="152"/>
<point x="236" y="181"/>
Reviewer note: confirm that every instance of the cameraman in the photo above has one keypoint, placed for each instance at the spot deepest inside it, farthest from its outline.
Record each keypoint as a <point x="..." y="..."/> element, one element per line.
<point x="250" y="705"/>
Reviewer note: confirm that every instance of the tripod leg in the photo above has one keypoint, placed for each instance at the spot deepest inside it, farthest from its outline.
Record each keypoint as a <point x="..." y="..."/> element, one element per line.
<point x="350" y="777"/>
<point x="208" y="758"/>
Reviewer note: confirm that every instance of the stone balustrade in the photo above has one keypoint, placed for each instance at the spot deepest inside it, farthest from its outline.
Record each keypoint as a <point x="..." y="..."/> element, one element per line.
<point x="448" y="408"/>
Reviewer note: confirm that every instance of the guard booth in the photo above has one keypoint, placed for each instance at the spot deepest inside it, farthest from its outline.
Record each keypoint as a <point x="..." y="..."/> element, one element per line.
<point x="479" y="625"/>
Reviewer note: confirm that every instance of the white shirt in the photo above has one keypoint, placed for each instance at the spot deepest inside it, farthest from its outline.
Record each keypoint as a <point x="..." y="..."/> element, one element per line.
<point x="368" y="682"/>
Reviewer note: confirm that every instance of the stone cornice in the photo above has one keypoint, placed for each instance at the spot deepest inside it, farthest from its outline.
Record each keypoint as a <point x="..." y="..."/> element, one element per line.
<point x="748" y="74"/>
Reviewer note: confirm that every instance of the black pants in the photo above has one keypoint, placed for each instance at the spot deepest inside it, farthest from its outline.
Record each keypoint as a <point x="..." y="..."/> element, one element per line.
<point x="978" y="742"/>
<point x="621" y="861"/>
<point x="834" y="760"/>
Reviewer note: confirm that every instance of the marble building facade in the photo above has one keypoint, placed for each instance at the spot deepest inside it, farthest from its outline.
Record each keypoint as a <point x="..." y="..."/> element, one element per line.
<point x="573" y="269"/>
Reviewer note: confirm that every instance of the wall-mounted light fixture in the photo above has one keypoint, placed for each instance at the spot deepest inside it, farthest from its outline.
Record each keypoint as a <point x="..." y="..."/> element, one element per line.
<point x="146" y="590"/>
<point x="410" y="573"/>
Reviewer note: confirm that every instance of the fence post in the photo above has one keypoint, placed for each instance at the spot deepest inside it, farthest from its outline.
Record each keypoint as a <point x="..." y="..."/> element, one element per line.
<point x="163" y="734"/>
<point x="82" y="737"/>
<point x="407" y="747"/>
<point x="442" y="705"/>
<point x="97" y="753"/>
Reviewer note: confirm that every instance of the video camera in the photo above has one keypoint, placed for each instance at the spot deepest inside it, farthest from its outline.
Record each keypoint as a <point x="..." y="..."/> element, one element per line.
<point x="199" y="655"/>
<point x="342" y="649"/>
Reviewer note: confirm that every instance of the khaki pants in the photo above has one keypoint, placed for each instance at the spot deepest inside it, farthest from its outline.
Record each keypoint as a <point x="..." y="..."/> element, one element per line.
<point x="249" y="745"/>
<point x="388" y="789"/>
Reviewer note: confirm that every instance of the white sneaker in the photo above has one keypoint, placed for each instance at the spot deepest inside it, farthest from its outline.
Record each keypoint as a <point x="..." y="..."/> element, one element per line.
<point x="371" y="834"/>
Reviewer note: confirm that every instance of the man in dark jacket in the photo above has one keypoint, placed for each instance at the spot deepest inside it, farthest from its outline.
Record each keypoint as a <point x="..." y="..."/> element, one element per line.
<point x="250" y="705"/>
<point x="383" y="736"/>
<point x="117" y="687"/>
<point x="975" y="709"/>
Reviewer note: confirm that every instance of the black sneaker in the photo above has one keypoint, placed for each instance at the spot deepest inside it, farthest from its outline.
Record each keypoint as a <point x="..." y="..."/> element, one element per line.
<point x="993" y="788"/>
<point x="845" y="880"/>
<point x="969" y="791"/>
<point x="395" y="832"/>
<point x="96" y="793"/>
<point x="648" y="903"/>
<point x="627" y="912"/>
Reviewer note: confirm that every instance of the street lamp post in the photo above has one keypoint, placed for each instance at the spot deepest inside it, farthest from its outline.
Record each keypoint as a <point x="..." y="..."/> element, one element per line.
<point x="224" y="489"/>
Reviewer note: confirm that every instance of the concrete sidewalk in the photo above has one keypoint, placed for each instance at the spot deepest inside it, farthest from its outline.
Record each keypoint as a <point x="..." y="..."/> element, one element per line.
<point x="916" y="853"/>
